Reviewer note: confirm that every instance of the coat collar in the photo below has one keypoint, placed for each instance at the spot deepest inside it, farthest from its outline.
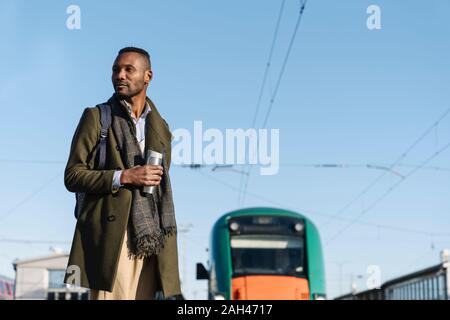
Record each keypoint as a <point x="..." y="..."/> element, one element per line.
<point x="158" y="125"/>
<point x="156" y="129"/>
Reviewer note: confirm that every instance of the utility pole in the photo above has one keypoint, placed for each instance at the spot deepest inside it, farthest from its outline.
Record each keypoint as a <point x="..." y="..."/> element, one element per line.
<point x="340" y="264"/>
<point x="183" y="230"/>
<point x="340" y="276"/>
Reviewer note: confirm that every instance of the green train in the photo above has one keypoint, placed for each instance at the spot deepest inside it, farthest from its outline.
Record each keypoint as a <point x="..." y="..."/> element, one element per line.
<point x="264" y="253"/>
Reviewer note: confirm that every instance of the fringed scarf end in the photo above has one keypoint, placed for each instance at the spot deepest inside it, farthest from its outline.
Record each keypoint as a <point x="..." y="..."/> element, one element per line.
<point x="147" y="245"/>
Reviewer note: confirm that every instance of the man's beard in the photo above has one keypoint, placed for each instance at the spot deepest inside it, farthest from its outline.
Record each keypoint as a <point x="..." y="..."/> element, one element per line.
<point x="126" y="95"/>
<point x="123" y="95"/>
<point x="129" y="93"/>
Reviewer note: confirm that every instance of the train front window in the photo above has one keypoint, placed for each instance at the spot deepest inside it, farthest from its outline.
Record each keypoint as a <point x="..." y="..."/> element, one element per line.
<point x="267" y="254"/>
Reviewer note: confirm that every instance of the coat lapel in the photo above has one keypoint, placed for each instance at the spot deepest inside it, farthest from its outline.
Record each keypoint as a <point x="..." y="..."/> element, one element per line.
<point x="157" y="134"/>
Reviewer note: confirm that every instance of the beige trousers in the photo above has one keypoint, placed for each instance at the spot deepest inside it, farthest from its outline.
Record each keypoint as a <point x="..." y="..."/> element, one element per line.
<point x="135" y="280"/>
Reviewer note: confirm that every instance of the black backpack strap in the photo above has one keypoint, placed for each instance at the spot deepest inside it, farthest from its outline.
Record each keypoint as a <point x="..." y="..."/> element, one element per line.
<point x="105" y="119"/>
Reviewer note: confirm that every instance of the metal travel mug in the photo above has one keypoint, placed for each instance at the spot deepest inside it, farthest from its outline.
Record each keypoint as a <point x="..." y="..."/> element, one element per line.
<point x="154" y="158"/>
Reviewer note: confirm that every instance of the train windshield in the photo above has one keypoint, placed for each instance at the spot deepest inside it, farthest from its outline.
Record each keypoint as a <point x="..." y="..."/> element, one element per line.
<point x="268" y="255"/>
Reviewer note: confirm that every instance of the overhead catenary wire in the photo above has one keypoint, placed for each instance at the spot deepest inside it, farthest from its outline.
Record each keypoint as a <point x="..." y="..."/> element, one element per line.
<point x="323" y="165"/>
<point x="386" y="193"/>
<point x="277" y="86"/>
<point x="421" y="257"/>
<point x="374" y="166"/>
<point x="29" y="196"/>
<point x="283" y="67"/>
<point x="266" y="74"/>
<point x="316" y="213"/>
<point x="268" y="65"/>
<point x="394" y="164"/>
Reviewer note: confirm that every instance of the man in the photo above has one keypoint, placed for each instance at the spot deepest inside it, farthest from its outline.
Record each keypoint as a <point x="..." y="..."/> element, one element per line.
<point x="125" y="244"/>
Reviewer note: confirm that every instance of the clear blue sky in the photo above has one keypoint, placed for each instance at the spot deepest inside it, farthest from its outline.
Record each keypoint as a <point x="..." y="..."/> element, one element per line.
<point x="348" y="96"/>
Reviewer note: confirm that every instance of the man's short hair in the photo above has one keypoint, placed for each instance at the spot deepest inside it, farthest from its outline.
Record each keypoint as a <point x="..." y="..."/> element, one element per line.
<point x="137" y="50"/>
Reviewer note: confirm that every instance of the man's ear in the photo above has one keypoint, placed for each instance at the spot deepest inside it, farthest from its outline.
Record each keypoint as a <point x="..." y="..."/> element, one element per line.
<point x="148" y="76"/>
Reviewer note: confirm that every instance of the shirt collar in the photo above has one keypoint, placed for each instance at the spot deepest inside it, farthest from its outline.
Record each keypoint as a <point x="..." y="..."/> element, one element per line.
<point x="144" y="113"/>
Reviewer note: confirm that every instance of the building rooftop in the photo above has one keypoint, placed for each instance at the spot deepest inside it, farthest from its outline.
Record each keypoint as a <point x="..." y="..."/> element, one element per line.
<point x="35" y="260"/>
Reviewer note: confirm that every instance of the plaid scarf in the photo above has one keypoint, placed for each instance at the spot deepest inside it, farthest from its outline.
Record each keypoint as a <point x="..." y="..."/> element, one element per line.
<point x="152" y="217"/>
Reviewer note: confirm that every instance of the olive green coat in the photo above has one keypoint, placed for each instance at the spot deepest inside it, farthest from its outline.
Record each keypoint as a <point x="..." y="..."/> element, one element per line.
<point x="101" y="226"/>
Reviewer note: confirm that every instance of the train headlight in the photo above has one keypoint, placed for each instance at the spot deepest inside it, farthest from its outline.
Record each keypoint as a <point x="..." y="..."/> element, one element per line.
<point x="298" y="227"/>
<point x="219" y="297"/>
<point x="234" y="226"/>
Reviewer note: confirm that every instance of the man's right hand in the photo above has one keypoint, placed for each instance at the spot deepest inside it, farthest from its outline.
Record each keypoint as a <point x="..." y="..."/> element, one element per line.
<point x="147" y="175"/>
